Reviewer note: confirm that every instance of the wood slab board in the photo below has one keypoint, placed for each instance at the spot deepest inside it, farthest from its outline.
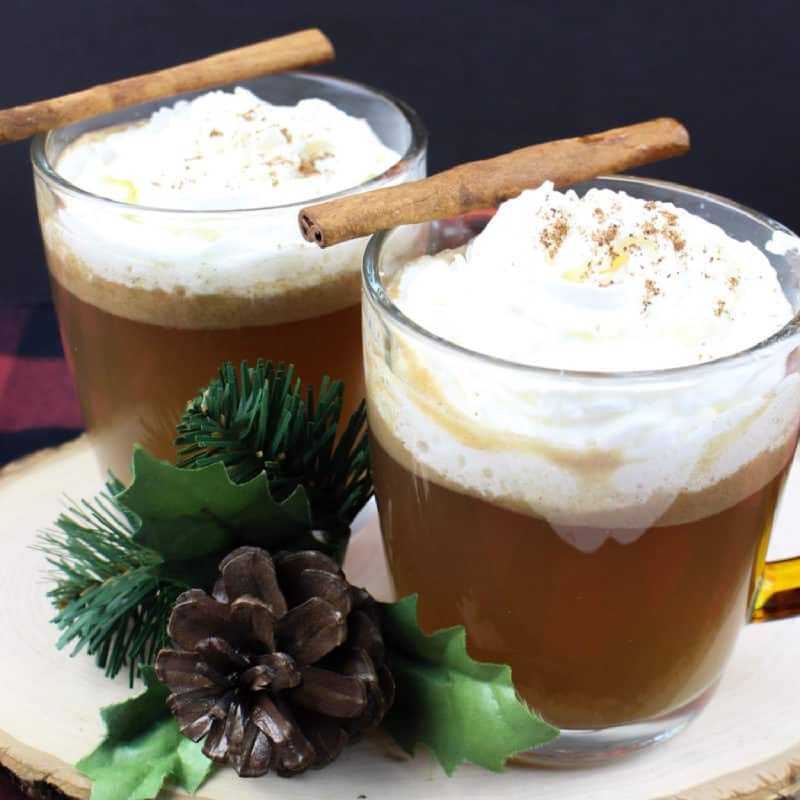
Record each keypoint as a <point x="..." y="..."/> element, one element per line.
<point x="746" y="744"/>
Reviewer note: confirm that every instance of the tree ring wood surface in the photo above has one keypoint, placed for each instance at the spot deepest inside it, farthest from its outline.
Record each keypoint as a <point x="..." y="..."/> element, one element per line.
<point x="746" y="744"/>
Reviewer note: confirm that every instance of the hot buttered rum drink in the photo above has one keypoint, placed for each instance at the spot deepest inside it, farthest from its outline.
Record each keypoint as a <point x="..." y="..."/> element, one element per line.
<point x="185" y="253"/>
<point x="599" y="530"/>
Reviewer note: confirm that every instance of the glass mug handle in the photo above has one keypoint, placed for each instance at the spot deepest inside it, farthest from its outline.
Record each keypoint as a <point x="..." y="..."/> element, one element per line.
<point x="778" y="594"/>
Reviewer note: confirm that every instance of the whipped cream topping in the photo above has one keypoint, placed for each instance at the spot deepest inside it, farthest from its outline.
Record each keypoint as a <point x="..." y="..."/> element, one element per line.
<point x="235" y="162"/>
<point x="562" y="282"/>
<point x="603" y="282"/>
<point x="782" y="243"/>
<point x="229" y="150"/>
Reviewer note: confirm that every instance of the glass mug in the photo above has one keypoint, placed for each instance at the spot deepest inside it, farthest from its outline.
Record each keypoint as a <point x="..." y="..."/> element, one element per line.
<point x="151" y="301"/>
<point x="604" y="534"/>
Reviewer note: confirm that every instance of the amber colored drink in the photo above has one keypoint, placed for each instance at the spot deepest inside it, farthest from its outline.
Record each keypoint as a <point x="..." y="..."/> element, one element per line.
<point x="134" y="378"/>
<point x="594" y="639"/>
<point x="603" y="533"/>
<point x="166" y="265"/>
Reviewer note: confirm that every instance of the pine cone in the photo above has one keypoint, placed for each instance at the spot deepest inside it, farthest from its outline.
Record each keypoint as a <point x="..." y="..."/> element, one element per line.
<point x="280" y="668"/>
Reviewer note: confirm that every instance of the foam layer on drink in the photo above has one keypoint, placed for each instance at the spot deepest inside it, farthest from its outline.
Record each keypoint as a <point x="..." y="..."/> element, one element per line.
<point x="595" y="456"/>
<point x="218" y="153"/>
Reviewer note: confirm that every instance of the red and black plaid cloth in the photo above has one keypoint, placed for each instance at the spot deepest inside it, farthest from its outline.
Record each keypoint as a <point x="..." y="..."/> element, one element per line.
<point x="38" y="405"/>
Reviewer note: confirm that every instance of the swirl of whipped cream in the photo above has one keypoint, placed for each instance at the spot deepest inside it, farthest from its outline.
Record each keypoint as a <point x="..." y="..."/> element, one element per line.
<point x="603" y="282"/>
<point x="237" y="163"/>
<point x="228" y="150"/>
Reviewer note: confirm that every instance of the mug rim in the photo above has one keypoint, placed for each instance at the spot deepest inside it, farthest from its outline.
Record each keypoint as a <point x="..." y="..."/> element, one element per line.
<point x="377" y="295"/>
<point x="417" y="146"/>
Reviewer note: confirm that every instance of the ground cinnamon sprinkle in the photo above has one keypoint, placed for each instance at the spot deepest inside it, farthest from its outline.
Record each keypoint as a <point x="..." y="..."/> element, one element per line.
<point x="650" y="291"/>
<point x="308" y="166"/>
<point x="733" y="282"/>
<point x="669" y="229"/>
<point x="553" y="235"/>
<point x="720" y="308"/>
<point x="603" y="238"/>
<point x="648" y="229"/>
<point x="678" y="242"/>
<point x="276" y="160"/>
<point x="670" y="216"/>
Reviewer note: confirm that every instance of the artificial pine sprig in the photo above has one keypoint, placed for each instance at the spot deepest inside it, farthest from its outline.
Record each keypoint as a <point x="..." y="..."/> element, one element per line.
<point x="109" y="595"/>
<point x="258" y="420"/>
<point x="122" y="559"/>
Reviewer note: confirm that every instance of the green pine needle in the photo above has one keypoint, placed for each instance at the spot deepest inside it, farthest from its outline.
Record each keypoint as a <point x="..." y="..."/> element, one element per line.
<point x="110" y="599"/>
<point x="111" y="594"/>
<point x="257" y="419"/>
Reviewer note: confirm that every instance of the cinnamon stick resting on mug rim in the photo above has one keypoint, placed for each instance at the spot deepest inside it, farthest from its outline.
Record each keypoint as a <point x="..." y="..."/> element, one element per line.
<point x="301" y="49"/>
<point x="485" y="184"/>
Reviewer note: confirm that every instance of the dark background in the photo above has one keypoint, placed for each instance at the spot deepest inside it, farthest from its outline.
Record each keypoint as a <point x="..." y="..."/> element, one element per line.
<point x="486" y="78"/>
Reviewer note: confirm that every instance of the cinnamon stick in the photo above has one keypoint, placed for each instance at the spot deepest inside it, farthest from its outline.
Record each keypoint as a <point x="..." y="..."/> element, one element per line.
<point x="486" y="184"/>
<point x="301" y="49"/>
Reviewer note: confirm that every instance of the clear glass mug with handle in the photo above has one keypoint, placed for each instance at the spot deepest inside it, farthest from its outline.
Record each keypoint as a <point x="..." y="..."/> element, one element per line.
<point x="613" y="574"/>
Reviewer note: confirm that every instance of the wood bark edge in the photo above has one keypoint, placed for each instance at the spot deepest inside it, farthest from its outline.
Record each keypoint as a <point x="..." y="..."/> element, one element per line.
<point x="33" y="770"/>
<point x="44" y="777"/>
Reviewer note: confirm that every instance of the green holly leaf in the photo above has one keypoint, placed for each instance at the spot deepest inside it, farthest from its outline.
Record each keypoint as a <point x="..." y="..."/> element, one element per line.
<point x="142" y="749"/>
<point x="196" y="515"/>
<point x="464" y="710"/>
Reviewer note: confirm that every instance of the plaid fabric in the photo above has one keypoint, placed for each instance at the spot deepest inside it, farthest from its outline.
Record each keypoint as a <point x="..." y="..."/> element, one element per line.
<point x="38" y="405"/>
